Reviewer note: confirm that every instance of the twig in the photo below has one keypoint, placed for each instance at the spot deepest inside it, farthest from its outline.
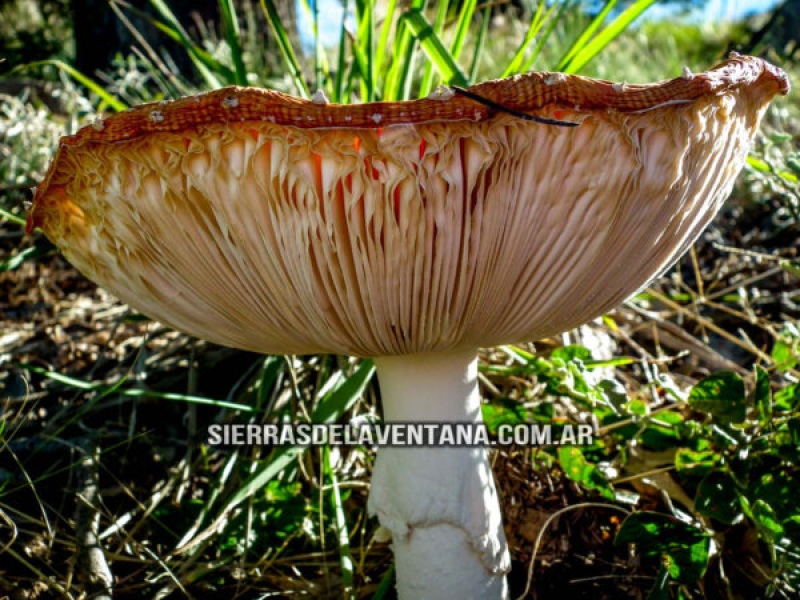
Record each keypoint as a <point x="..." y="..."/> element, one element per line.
<point x="90" y="559"/>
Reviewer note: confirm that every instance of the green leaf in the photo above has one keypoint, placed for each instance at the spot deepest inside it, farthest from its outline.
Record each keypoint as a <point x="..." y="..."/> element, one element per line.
<point x="778" y="488"/>
<point x="683" y="548"/>
<point x="663" y="431"/>
<point x="578" y="469"/>
<point x="585" y="51"/>
<point x="12" y="218"/>
<point x="791" y="529"/>
<point x="767" y="521"/>
<point x="342" y="530"/>
<point x="42" y="247"/>
<point x="637" y="408"/>
<point x="434" y="49"/>
<point x="787" y="398"/>
<point x="783" y="353"/>
<point x="277" y="461"/>
<point x="208" y="66"/>
<point x="762" y="397"/>
<point x="339" y="401"/>
<point x="105" y="97"/>
<point x="230" y="25"/>
<point x="721" y="395"/>
<point x="718" y="497"/>
<point x="696" y="463"/>
<point x="285" y="46"/>
<point x="571" y="353"/>
<point x="503" y="412"/>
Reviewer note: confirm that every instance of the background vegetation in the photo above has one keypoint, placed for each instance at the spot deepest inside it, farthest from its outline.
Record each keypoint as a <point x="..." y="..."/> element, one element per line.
<point x="690" y="490"/>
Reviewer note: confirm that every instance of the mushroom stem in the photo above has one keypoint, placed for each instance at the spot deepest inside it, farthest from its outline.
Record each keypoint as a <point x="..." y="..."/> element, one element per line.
<point x="440" y="504"/>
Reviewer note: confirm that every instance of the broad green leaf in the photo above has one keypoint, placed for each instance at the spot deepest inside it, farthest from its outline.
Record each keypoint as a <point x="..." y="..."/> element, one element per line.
<point x="503" y="412"/>
<point x="718" y="497"/>
<point x="570" y="353"/>
<point x="578" y="469"/>
<point x="720" y="395"/>
<point x="787" y="398"/>
<point x="783" y="353"/>
<point x="778" y="488"/>
<point x="767" y="521"/>
<point x="683" y="548"/>
<point x="663" y="431"/>
<point x="791" y="528"/>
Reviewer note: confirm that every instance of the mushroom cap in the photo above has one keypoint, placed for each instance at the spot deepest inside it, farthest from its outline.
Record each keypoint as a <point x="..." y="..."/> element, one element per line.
<point x="262" y="221"/>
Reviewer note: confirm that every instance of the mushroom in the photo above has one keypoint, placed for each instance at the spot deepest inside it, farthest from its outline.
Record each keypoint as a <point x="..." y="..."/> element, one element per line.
<point x="411" y="232"/>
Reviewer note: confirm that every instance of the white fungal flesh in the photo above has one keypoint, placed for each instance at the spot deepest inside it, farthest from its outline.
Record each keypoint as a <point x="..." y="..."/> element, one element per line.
<point x="440" y="504"/>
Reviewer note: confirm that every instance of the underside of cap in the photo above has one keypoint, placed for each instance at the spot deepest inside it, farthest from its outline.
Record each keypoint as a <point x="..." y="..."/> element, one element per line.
<point x="425" y="234"/>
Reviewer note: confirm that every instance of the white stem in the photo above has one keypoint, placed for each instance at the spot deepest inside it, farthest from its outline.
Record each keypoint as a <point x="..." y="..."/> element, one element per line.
<point x="440" y="504"/>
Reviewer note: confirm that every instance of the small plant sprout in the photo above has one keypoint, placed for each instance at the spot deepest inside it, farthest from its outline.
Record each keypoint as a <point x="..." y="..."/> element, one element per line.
<point x="410" y="232"/>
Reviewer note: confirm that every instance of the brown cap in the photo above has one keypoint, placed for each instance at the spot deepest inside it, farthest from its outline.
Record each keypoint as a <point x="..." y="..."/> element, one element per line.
<point x="262" y="221"/>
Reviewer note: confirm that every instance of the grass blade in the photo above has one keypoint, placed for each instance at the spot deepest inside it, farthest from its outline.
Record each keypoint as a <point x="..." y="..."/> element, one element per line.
<point x="340" y="525"/>
<point x="104" y="389"/>
<point x="9" y="216"/>
<point x="476" y="55"/>
<point x="583" y="39"/>
<point x="605" y="37"/>
<point x="537" y="20"/>
<point x="398" y="82"/>
<point x="383" y="40"/>
<point x="339" y="84"/>
<point x="230" y="25"/>
<point x="274" y="464"/>
<point x="339" y="400"/>
<point x="42" y="247"/>
<point x="462" y="29"/>
<point x="208" y="67"/>
<point x="106" y="99"/>
<point x="426" y="84"/>
<point x="285" y="46"/>
<point x="366" y="50"/>
<point x="545" y="36"/>
<point x="434" y="49"/>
